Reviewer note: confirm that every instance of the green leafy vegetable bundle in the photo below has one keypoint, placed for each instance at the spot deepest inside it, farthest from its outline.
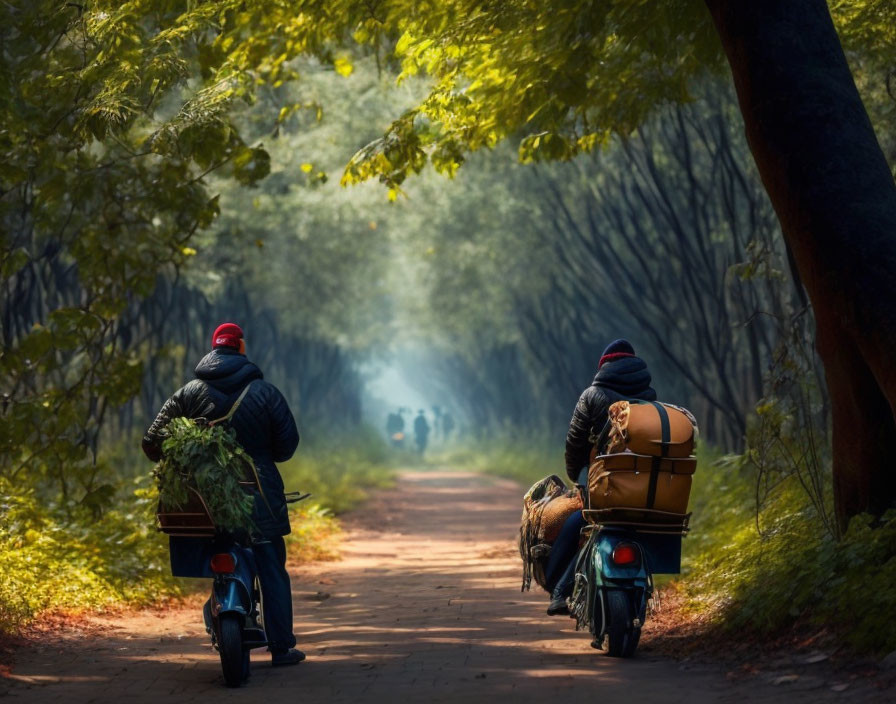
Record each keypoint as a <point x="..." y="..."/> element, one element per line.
<point x="210" y="460"/>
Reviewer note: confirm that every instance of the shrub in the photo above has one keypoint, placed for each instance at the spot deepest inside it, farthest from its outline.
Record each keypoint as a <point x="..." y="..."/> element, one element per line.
<point x="51" y="562"/>
<point x="768" y="572"/>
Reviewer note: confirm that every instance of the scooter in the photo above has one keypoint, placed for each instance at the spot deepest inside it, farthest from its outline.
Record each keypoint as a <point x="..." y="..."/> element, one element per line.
<point x="613" y="586"/>
<point x="234" y="612"/>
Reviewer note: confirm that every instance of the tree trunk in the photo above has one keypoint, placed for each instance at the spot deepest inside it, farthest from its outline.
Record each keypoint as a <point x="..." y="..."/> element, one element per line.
<point x="836" y="200"/>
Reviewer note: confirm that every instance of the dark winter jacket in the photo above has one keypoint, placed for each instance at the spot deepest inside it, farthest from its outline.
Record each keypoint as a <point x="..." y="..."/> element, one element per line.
<point x="263" y="423"/>
<point x="625" y="378"/>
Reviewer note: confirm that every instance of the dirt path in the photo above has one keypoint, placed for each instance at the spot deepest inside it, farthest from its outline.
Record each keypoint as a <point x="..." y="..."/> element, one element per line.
<point x="425" y="606"/>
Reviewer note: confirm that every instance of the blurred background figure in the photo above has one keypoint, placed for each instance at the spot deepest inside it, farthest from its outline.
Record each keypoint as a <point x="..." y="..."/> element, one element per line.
<point x="436" y="420"/>
<point x="395" y="429"/>
<point x="421" y="431"/>
<point x="447" y="425"/>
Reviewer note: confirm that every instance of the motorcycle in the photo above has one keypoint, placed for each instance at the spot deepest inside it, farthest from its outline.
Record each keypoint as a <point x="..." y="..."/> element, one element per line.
<point x="613" y="589"/>
<point x="234" y="612"/>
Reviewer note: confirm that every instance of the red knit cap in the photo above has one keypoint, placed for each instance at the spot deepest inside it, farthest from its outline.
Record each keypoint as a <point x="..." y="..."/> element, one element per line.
<point x="227" y="335"/>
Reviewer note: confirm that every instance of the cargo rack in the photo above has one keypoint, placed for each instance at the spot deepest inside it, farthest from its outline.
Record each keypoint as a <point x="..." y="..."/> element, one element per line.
<point x="642" y="520"/>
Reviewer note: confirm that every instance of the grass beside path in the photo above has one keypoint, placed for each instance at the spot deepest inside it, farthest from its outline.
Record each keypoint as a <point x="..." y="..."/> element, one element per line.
<point x="338" y="477"/>
<point x="526" y="461"/>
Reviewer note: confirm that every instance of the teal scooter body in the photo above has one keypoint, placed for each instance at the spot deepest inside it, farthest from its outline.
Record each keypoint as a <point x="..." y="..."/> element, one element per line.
<point x="614" y="583"/>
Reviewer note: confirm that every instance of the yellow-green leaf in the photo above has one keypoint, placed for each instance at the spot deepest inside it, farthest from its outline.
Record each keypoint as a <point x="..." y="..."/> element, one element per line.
<point x="343" y="66"/>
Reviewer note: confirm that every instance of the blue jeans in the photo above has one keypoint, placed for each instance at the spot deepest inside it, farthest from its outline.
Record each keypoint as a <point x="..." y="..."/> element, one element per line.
<point x="563" y="552"/>
<point x="276" y="593"/>
<point x="561" y="562"/>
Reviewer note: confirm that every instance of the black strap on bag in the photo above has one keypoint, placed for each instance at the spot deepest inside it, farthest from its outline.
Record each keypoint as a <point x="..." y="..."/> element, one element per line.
<point x="233" y="408"/>
<point x="665" y="437"/>
<point x="602" y="438"/>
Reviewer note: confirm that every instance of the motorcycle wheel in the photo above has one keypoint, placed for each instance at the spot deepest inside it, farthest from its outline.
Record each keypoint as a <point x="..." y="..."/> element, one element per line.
<point x="622" y="637"/>
<point x="230" y="646"/>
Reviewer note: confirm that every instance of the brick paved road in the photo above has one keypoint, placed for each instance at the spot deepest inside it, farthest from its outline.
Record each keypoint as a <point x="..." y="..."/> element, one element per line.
<point x="424" y="607"/>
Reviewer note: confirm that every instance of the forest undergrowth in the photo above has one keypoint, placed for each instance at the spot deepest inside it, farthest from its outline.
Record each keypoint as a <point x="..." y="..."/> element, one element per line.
<point x="765" y="570"/>
<point x="64" y="558"/>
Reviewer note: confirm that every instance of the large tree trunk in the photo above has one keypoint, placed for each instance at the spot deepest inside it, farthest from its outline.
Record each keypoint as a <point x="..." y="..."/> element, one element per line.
<point x="836" y="199"/>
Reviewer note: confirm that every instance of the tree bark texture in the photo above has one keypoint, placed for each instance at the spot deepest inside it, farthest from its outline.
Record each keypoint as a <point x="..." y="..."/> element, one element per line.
<point x="835" y="197"/>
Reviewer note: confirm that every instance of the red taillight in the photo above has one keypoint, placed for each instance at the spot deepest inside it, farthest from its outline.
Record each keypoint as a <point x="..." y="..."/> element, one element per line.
<point x="223" y="563"/>
<point x="625" y="554"/>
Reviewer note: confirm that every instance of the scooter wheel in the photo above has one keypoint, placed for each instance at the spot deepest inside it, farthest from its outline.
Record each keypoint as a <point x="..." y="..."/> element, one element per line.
<point x="230" y="646"/>
<point x="622" y="636"/>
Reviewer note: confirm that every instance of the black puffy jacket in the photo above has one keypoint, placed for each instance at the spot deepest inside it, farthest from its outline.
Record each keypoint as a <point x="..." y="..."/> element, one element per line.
<point x="263" y="423"/>
<point x="625" y="378"/>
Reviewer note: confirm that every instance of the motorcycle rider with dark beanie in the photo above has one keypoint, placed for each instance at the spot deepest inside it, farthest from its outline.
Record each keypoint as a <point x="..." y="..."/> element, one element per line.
<point x="266" y="430"/>
<point x="620" y="376"/>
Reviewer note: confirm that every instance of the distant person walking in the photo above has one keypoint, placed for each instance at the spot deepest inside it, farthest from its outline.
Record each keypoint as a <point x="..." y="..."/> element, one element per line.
<point x="421" y="431"/>
<point x="436" y="422"/>
<point x="395" y="428"/>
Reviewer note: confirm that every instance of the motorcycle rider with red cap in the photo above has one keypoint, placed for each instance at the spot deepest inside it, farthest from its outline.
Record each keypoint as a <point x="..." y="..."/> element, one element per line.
<point x="266" y="430"/>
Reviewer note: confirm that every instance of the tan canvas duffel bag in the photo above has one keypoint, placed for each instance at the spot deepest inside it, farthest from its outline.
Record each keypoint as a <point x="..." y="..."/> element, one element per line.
<point x="650" y="428"/>
<point x="546" y="506"/>
<point x="556" y="512"/>
<point x="627" y="480"/>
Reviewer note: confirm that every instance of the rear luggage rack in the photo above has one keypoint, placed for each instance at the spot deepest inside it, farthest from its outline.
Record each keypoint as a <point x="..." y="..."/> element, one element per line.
<point x="193" y="520"/>
<point x="640" y="519"/>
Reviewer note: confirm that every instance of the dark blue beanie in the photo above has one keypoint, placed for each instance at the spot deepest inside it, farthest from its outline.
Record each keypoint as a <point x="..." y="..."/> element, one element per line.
<point x="616" y="350"/>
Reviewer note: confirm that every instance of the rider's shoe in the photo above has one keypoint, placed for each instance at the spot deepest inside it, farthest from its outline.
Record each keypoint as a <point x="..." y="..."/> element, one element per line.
<point x="558" y="606"/>
<point x="562" y="590"/>
<point x="287" y="657"/>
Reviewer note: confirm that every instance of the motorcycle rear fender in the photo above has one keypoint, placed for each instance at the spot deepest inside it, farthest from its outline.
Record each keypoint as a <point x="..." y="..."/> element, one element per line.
<point x="230" y="595"/>
<point x="637" y="595"/>
<point x="609" y="573"/>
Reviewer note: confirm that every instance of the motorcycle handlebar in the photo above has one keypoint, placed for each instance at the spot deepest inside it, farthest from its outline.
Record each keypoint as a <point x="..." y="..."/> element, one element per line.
<point x="293" y="497"/>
